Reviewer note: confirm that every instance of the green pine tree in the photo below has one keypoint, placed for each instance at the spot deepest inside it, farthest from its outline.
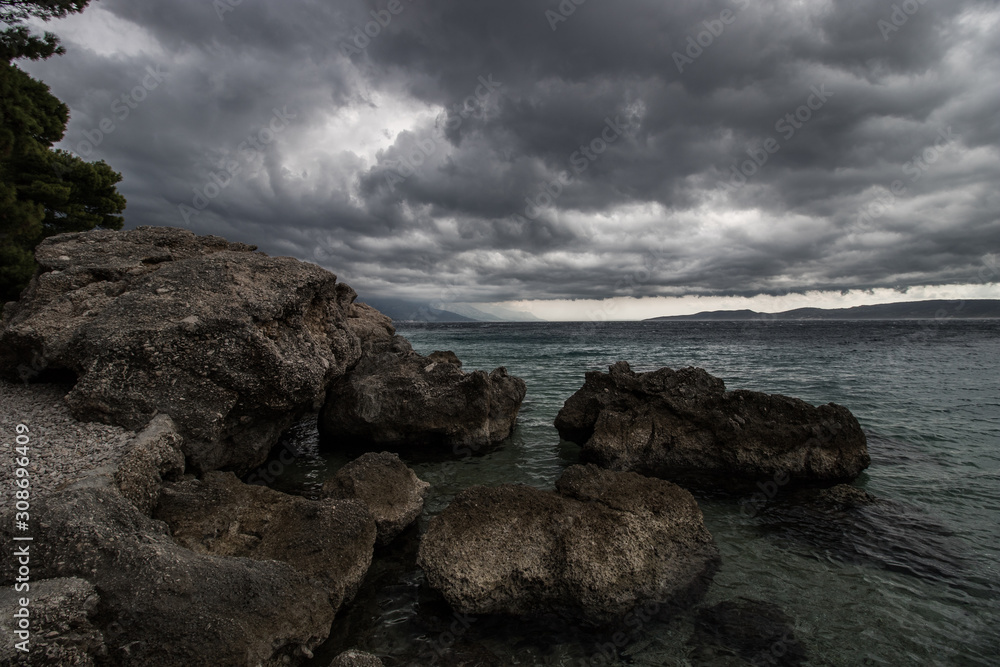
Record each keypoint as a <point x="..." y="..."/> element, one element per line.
<point x="43" y="191"/>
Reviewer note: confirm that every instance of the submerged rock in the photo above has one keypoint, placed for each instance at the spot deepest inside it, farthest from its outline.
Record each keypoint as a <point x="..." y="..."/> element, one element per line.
<point x="397" y="398"/>
<point x="163" y="604"/>
<point x="330" y="541"/>
<point x="603" y="544"/>
<point x="391" y="491"/>
<point x="231" y="343"/>
<point x="683" y="425"/>
<point x="754" y="632"/>
<point x="851" y="525"/>
<point x="353" y="658"/>
<point x="62" y="629"/>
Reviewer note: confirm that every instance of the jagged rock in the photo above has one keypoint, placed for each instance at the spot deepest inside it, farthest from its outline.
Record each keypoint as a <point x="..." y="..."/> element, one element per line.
<point x="752" y="632"/>
<point x="233" y="344"/>
<point x="331" y="541"/>
<point x="163" y="604"/>
<point x="61" y="627"/>
<point x="848" y="524"/>
<point x="683" y="425"/>
<point x="605" y="543"/>
<point x="353" y="658"/>
<point x="153" y="457"/>
<point x="395" y="397"/>
<point x="391" y="491"/>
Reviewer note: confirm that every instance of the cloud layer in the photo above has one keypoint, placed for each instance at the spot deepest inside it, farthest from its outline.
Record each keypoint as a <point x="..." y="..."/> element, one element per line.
<point x="459" y="151"/>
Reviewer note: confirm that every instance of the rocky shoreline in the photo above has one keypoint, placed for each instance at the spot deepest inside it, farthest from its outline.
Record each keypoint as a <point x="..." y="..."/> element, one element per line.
<point x="181" y="360"/>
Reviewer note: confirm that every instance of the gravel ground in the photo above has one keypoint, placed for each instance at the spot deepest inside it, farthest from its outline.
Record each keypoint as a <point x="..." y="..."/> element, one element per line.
<point x="61" y="449"/>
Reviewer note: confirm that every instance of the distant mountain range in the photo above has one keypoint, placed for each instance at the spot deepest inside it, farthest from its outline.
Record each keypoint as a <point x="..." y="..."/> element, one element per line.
<point x="403" y="310"/>
<point x="907" y="310"/>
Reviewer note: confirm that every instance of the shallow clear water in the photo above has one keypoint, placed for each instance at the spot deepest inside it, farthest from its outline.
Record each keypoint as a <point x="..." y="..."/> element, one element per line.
<point x="927" y="395"/>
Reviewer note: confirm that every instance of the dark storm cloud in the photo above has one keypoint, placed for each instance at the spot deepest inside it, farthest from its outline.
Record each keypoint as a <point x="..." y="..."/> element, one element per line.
<point x="532" y="149"/>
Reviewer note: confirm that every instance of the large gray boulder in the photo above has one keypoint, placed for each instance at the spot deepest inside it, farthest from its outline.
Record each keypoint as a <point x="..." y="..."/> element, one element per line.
<point x="61" y="615"/>
<point x="331" y="541"/>
<point x="163" y="604"/>
<point x="395" y="397"/>
<point x="683" y="425"/>
<point x="231" y="343"/>
<point x="602" y="545"/>
<point x="390" y="490"/>
<point x="354" y="658"/>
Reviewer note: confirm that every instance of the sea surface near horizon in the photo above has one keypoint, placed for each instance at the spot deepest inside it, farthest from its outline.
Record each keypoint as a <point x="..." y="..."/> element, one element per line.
<point x="927" y="394"/>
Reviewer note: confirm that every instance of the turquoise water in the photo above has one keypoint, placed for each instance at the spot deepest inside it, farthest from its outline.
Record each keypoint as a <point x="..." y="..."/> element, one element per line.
<point x="927" y="395"/>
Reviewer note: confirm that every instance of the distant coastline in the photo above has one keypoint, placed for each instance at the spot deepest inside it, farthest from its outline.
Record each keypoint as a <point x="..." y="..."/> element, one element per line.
<point x="910" y="310"/>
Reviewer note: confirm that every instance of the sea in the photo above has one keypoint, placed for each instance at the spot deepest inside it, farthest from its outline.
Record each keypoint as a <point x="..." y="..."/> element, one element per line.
<point x="916" y="583"/>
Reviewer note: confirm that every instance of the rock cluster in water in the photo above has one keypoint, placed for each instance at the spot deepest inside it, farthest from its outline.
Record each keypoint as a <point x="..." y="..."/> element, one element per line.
<point x="683" y="425"/>
<point x="209" y="350"/>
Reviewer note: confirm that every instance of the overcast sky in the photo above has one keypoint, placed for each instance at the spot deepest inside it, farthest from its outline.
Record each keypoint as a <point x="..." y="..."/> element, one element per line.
<point x="823" y="152"/>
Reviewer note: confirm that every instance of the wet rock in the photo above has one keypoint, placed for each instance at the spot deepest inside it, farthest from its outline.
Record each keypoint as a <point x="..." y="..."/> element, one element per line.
<point x="851" y="525"/>
<point x="683" y="425"/>
<point x="163" y="604"/>
<point x="752" y="632"/>
<point x="62" y="631"/>
<point x="233" y="344"/>
<point x="397" y="398"/>
<point x="390" y="490"/>
<point x="603" y="544"/>
<point x="330" y="541"/>
<point x="353" y="658"/>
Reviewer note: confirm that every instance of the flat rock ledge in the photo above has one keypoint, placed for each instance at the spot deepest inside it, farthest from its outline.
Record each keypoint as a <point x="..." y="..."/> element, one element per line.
<point x="684" y="426"/>
<point x="397" y="398"/>
<point x="601" y="545"/>
<point x="390" y="490"/>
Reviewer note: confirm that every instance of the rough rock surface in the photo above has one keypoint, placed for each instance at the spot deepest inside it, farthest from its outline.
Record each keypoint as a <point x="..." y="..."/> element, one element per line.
<point x="390" y="490"/>
<point x="329" y="541"/>
<point x="683" y="425"/>
<point x="603" y="544"/>
<point x="163" y="604"/>
<point x="62" y="632"/>
<point x="61" y="449"/>
<point x="754" y="632"/>
<point x="353" y="658"/>
<point x="395" y="397"/>
<point x="233" y="344"/>
<point x="154" y="457"/>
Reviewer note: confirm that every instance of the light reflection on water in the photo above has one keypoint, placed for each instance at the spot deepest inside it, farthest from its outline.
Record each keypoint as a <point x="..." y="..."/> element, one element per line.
<point x="928" y="397"/>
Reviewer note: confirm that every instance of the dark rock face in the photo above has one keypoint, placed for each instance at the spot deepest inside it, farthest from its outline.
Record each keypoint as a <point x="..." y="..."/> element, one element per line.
<point x="163" y="604"/>
<point x="391" y="491"/>
<point x="757" y="633"/>
<point x="851" y="525"/>
<point x="684" y="425"/>
<point x="231" y="343"/>
<point x="155" y="456"/>
<point x="604" y="544"/>
<point x="395" y="398"/>
<point x="329" y="541"/>
<point x="61" y="614"/>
